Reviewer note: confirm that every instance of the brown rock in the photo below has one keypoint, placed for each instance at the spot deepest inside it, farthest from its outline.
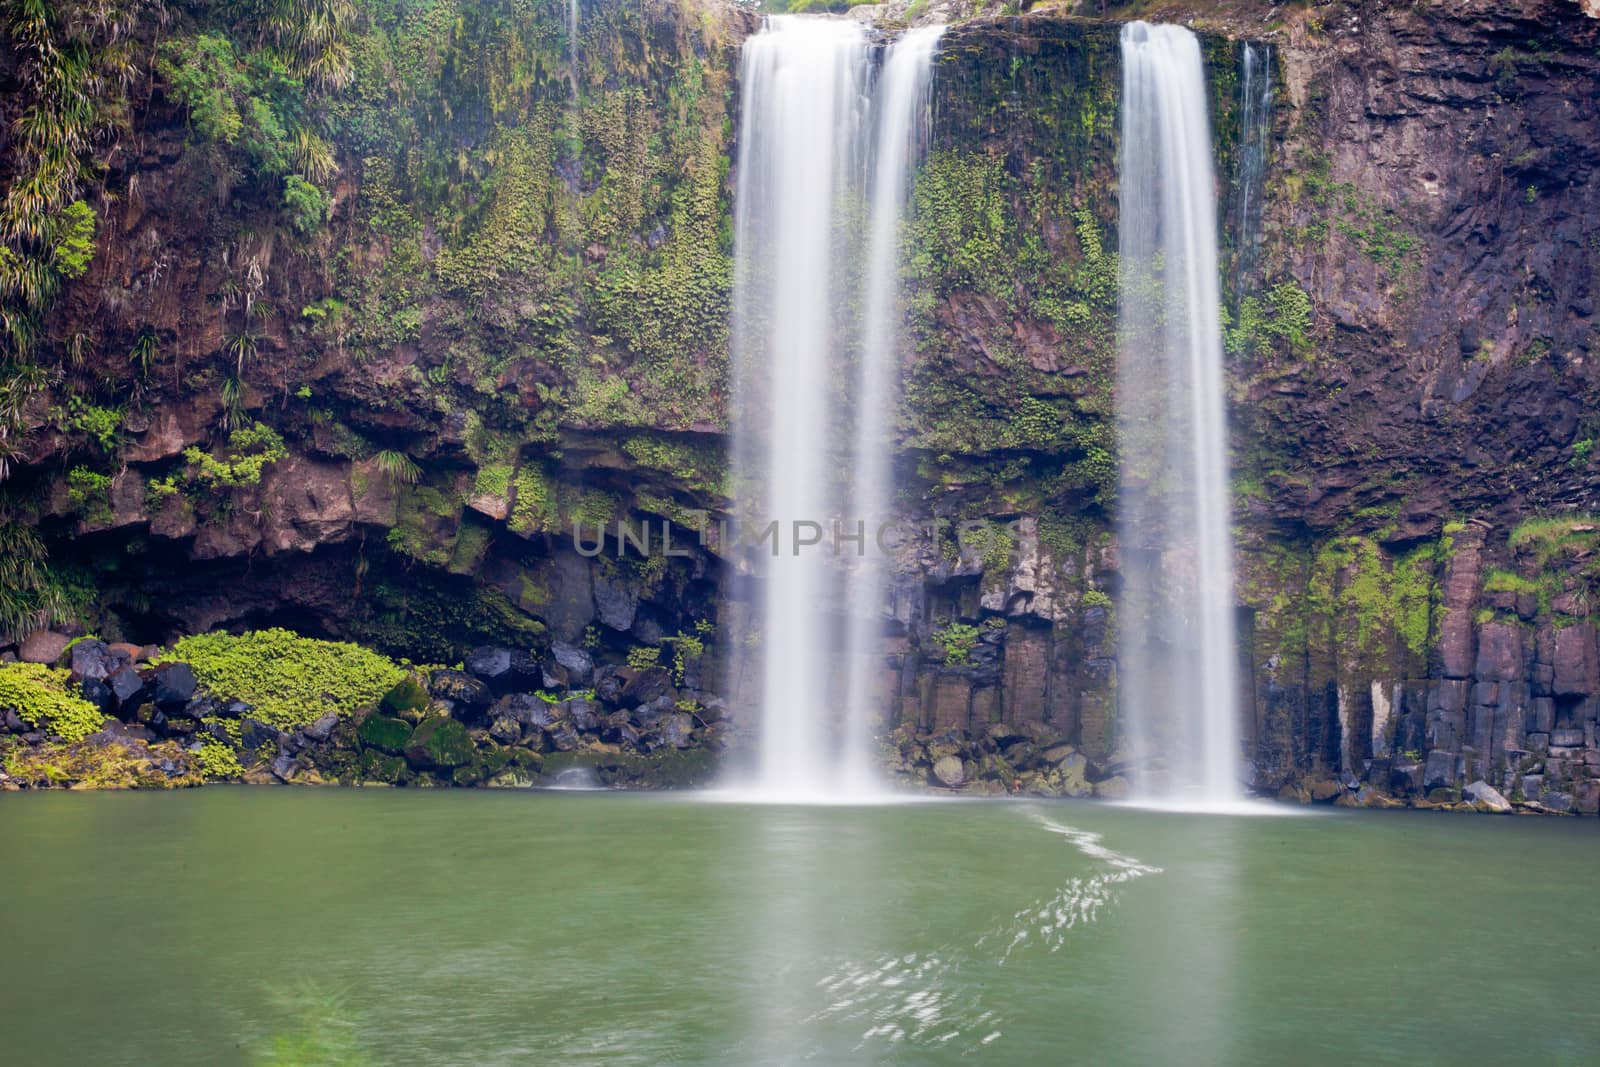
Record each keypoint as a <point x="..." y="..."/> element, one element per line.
<point x="43" y="646"/>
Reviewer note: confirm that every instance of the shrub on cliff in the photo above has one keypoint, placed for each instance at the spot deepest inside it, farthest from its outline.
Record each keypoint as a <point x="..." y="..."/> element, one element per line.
<point x="289" y="680"/>
<point x="42" y="697"/>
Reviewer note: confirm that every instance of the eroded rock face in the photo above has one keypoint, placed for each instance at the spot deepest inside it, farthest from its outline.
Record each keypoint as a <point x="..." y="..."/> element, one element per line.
<point x="1430" y="194"/>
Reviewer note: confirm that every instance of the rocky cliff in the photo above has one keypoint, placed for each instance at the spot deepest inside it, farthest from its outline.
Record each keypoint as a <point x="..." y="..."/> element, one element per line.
<point x="351" y="328"/>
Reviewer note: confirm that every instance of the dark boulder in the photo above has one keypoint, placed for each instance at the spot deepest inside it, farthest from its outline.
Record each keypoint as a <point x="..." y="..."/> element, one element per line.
<point x="93" y="659"/>
<point x="526" y="709"/>
<point x="196" y="709"/>
<point x="255" y="734"/>
<point x="676" y="729"/>
<point x="563" y="738"/>
<point x="650" y="713"/>
<point x="584" y="713"/>
<point x="172" y="685"/>
<point x="439" y="742"/>
<point x="323" y="728"/>
<point x="1440" y="770"/>
<point x="608" y="684"/>
<point x="578" y="664"/>
<point x="526" y="670"/>
<point x="284" y="768"/>
<point x="11" y="722"/>
<point x="616" y="729"/>
<point x="647" y="685"/>
<point x="98" y="693"/>
<point x="490" y="665"/>
<point x="384" y="733"/>
<point x="461" y="689"/>
<point x="127" y="688"/>
<point x="504" y="729"/>
<point x="407" y="696"/>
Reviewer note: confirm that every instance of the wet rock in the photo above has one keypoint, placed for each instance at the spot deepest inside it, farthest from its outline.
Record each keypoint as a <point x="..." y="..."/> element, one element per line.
<point x="525" y="709"/>
<point x="255" y="734"/>
<point x="645" y="686"/>
<point x="98" y="693"/>
<point x="93" y="660"/>
<point x="43" y="646"/>
<point x="676" y="729"/>
<point x="461" y="689"/>
<point x="562" y="737"/>
<point x="617" y="729"/>
<point x="608" y="685"/>
<point x="490" y="665"/>
<point x="1072" y="771"/>
<point x="126" y="688"/>
<point x="284" y="768"/>
<point x="1405" y="778"/>
<point x="323" y="728"/>
<point x="1439" y="771"/>
<point x="173" y="685"/>
<point x="616" y="600"/>
<point x="1323" y="790"/>
<point x="196" y="709"/>
<point x="1114" y="788"/>
<point x="584" y="713"/>
<point x="505" y="730"/>
<point x="1486" y="796"/>
<point x="947" y="771"/>
<point x="648" y="714"/>
<point x="578" y="664"/>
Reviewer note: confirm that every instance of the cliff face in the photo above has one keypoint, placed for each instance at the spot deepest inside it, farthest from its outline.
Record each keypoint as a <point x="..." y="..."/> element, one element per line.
<point x="508" y="311"/>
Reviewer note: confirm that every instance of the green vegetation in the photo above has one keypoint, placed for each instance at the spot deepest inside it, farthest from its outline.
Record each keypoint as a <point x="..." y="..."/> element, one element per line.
<point x="1353" y="579"/>
<point x="1282" y="319"/>
<point x="219" y="762"/>
<point x="31" y="595"/>
<point x="643" y="656"/>
<point x="1548" y="538"/>
<point x="45" y="697"/>
<point x="247" y="453"/>
<point x="289" y="680"/>
<point x="397" y="466"/>
<point x="955" y="641"/>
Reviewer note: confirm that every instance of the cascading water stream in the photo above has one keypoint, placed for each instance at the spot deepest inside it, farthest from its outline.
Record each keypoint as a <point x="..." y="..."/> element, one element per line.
<point x="805" y="151"/>
<point x="1177" y="669"/>
<point x="901" y="100"/>
<point x="1255" y="126"/>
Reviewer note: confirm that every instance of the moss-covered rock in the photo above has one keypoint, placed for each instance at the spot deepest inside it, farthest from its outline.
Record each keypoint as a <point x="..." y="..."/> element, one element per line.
<point x="385" y="734"/>
<point x="438" y="742"/>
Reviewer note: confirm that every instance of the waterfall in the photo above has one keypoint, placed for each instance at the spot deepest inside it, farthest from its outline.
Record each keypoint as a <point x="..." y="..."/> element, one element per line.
<point x="1255" y="128"/>
<point x="1177" y="670"/>
<point x="811" y="102"/>
<point x="901" y="100"/>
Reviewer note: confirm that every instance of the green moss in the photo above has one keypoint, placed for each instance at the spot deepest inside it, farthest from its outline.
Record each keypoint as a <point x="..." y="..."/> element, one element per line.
<point x="384" y="733"/>
<point x="289" y="680"/>
<point x="533" y="508"/>
<point x="1398" y="598"/>
<point x="445" y="742"/>
<point x="1499" y="580"/>
<point x="45" y="698"/>
<point x="407" y="695"/>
